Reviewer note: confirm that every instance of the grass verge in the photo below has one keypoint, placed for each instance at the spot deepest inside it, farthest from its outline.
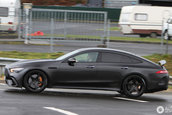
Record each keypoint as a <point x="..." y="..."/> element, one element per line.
<point x="29" y="55"/>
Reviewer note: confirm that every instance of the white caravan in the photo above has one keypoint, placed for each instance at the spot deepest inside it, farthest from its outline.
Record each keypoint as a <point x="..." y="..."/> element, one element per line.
<point x="9" y="15"/>
<point x="167" y="29"/>
<point x="143" y="20"/>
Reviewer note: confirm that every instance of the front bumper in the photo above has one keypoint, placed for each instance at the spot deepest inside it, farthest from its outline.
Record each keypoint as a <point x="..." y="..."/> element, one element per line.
<point x="13" y="79"/>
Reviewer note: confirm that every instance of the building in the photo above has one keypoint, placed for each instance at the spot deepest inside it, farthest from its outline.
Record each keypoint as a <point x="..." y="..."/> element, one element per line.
<point x="119" y="3"/>
<point x="95" y="3"/>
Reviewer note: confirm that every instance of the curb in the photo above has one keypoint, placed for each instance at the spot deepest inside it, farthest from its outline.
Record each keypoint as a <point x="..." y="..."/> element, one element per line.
<point x="140" y="42"/>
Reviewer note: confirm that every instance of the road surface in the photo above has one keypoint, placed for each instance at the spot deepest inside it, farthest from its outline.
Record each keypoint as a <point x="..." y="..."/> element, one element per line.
<point x="80" y="102"/>
<point x="67" y="46"/>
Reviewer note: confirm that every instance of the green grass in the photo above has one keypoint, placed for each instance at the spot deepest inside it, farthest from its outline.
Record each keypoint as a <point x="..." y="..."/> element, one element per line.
<point x="29" y="55"/>
<point x="12" y="42"/>
<point x="111" y="29"/>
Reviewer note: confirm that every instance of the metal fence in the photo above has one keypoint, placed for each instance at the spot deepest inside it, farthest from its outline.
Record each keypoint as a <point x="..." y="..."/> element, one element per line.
<point x="47" y="24"/>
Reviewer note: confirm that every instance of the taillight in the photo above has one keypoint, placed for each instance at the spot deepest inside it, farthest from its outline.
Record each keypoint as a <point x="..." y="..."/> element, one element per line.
<point x="10" y="22"/>
<point x="162" y="72"/>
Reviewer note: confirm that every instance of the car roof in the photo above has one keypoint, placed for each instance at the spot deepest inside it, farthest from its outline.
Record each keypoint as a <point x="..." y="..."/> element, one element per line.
<point x="106" y="49"/>
<point x="115" y="50"/>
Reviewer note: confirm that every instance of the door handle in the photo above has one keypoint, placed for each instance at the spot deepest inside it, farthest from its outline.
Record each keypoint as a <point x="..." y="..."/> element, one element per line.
<point x="124" y="67"/>
<point x="90" y="67"/>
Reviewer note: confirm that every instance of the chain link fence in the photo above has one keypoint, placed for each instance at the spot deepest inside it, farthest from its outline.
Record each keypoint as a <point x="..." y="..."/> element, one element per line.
<point x="54" y="25"/>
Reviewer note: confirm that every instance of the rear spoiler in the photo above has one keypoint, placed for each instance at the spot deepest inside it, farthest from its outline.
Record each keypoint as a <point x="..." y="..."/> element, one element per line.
<point x="162" y="62"/>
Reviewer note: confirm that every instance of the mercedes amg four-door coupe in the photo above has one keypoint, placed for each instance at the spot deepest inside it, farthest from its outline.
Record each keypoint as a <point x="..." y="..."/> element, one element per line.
<point x="91" y="68"/>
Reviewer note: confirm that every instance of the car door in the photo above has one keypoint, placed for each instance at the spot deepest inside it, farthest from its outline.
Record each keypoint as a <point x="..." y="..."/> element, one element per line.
<point x="81" y="73"/>
<point x="111" y="68"/>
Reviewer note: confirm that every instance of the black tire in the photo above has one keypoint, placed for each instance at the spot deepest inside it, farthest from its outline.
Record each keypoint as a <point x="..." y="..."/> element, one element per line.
<point x="153" y="35"/>
<point x="134" y="86"/>
<point x="35" y="81"/>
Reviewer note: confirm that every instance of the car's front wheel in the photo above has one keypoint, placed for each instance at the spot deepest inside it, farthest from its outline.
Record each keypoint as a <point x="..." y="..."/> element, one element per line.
<point x="35" y="81"/>
<point x="134" y="86"/>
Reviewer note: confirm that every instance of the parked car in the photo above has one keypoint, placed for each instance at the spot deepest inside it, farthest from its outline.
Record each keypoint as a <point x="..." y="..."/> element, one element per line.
<point x="143" y="20"/>
<point x="90" y="68"/>
<point x="167" y="29"/>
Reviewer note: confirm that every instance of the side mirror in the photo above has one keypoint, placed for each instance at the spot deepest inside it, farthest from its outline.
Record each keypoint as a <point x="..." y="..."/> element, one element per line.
<point x="162" y="62"/>
<point x="71" y="61"/>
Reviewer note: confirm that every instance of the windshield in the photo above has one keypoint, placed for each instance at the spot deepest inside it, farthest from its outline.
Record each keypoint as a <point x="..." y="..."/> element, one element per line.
<point x="67" y="55"/>
<point x="3" y="12"/>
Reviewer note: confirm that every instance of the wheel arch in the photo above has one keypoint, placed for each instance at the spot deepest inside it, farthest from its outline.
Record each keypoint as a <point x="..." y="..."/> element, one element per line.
<point x="48" y="78"/>
<point x="138" y="74"/>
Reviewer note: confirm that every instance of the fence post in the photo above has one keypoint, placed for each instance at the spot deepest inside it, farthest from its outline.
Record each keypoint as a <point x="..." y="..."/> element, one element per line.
<point x="105" y="28"/>
<point x="19" y="23"/>
<point x="27" y="7"/>
<point x="108" y="32"/>
<point x="52" y="35"/>
<point x="65" y="24"/>
<point x="162" y="37"/>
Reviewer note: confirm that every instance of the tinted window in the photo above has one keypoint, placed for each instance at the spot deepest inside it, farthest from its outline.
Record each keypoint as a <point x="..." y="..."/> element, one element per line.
<point x="3" y="12"/>
<point x="117" y="58"/>
<point x="87" y="57"/>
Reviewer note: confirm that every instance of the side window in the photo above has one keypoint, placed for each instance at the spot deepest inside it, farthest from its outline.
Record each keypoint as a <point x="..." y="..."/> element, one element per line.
<point x="117" y="58"/>
<point x="141" y="17"/>
<point x="87" y="57"/>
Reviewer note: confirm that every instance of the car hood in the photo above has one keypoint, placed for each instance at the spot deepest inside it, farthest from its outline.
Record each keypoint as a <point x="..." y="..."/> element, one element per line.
<point x="35" y="62"/>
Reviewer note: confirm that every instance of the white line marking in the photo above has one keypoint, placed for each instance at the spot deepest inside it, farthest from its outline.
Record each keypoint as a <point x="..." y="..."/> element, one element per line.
<point x="2" y="84"/>
<point x="127" y="99"/>
<point x="60" y="110"/>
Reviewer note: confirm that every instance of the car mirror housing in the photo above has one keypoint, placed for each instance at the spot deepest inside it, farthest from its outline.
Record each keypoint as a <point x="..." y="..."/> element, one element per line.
<point x="162" y="62"/>
<point x="71" y="61"/>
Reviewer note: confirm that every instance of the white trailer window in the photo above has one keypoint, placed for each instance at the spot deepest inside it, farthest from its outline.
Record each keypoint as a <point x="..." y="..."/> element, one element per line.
<point x="141" y="17"/>
<point x="3" y="12"/>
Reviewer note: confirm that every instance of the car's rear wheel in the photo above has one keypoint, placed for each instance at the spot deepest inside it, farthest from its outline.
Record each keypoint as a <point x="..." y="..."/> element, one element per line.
<point x="134" y="86"/>
<point x="35" y="81"/>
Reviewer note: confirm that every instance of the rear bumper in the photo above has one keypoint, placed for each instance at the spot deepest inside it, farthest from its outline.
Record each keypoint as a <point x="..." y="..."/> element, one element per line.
<point x="158" y="85"/>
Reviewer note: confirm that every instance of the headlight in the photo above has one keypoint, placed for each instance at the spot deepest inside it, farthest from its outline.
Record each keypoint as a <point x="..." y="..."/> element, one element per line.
<point x="17" y="70"/>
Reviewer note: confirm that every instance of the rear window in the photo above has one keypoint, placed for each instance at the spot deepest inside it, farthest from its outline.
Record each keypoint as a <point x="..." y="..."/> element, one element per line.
<point x="3" y="12"/>
<point x="117" y="58"/>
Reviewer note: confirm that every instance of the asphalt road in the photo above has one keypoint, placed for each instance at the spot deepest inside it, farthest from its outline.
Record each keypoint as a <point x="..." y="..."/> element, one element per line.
<point x="67" y="46"/>
<point x="76" y="28"/>
<point x="80" y="102"/>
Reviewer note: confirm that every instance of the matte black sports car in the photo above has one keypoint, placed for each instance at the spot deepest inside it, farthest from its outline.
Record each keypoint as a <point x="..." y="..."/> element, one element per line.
<point x="91" y="68"/>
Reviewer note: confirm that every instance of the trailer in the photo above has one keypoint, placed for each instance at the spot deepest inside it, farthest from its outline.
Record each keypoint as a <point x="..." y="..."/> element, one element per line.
<point x="9" y="15"/>
<point x="143" y="20"/>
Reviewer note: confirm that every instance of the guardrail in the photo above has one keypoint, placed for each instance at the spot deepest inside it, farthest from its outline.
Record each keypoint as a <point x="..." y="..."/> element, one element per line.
<point x="5" y="61"/>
